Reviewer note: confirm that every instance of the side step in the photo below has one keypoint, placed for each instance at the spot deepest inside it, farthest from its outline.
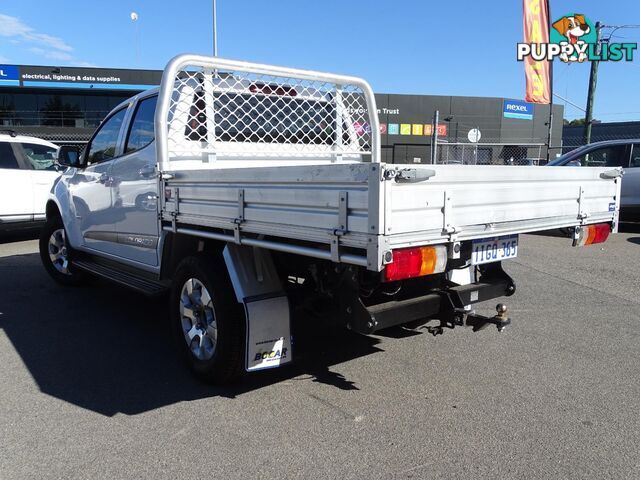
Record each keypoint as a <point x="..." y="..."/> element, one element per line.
<point x="130" y="280"/>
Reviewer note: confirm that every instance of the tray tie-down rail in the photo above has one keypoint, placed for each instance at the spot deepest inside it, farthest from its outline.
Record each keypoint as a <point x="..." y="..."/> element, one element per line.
<point x="448" y="304"/>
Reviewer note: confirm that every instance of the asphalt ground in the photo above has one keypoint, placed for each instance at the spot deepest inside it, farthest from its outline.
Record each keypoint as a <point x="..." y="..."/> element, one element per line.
<point x="90" y="386"/>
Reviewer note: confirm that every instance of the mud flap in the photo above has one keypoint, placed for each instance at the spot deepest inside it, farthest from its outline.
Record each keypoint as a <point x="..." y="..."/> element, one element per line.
<point x="257" y="286"/>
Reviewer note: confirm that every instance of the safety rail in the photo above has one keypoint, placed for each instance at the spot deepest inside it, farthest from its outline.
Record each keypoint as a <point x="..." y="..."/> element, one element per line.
<point x="212" y="108"/>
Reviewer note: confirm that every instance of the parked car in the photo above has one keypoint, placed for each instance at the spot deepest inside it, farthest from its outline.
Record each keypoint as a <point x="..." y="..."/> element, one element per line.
<point x="246" y="201"/>
<point x="28" y="170"/>
<point x="613" y="153"/>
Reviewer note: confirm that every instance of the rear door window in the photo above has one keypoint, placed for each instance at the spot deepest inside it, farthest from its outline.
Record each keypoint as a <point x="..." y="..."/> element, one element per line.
<point x="141" y="131"/>
<point x="7" y="157"/>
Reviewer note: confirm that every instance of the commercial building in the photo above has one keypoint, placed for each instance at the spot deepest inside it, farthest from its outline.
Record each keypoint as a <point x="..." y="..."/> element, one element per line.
<point x="65" y="104"/>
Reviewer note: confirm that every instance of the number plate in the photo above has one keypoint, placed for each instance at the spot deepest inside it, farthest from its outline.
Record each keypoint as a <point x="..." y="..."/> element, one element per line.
<point x="487" y="250"/>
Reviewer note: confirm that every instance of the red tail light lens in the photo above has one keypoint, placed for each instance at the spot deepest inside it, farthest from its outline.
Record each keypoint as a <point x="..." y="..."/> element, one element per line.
<point x="591" y="234"/>
<point x="416" y="262"/>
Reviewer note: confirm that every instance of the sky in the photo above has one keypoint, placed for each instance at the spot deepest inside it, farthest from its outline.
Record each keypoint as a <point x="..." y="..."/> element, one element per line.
<point x="461" y="47"/>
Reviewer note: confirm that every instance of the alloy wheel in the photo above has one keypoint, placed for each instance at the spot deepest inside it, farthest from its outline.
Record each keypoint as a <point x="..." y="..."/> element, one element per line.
<point x="198" y="320"/>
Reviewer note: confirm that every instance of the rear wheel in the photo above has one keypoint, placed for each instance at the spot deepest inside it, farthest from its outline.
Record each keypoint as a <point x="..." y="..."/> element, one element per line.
<point x="55" y="253"/>
<point x="208" y="322"/>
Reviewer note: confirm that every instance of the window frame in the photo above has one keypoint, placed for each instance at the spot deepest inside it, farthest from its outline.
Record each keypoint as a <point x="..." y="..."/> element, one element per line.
<point x="634" y="146"/>
<point x="132" y="121"/>
<point x="118" y="151"/>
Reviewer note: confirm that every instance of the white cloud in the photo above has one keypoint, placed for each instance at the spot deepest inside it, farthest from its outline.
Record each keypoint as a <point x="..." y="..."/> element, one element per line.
<point x="14" y="27"/>
<point x="44" y="45"/>
<point x="52" y="54"/>
<point x="4" y="59"/>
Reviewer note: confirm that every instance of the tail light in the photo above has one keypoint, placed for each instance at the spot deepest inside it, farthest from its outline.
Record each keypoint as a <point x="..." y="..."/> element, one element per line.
<point x="590" y="234"/>
<point x="416" y="262"/>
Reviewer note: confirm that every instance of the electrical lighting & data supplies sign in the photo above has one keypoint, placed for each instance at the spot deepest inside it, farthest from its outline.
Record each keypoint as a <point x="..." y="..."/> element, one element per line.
<point x="76" y="77"/>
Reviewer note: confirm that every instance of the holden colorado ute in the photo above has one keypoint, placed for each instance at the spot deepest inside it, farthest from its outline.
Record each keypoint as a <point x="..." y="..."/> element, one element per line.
<point x="244" y="190"/>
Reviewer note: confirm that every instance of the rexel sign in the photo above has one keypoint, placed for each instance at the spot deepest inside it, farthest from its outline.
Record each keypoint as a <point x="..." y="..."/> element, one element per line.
<point x="9" y="75"/>
<point x="517" y="109"/>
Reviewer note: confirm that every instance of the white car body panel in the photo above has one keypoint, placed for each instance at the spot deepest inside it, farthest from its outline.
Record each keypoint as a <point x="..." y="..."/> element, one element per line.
<point x="16" y="195"/>
<point x="24" y="191"/>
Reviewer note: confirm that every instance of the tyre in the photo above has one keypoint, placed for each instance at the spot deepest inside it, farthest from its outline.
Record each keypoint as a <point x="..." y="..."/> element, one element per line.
<point x="207" y="321"/>
<point x="55" y="254"/>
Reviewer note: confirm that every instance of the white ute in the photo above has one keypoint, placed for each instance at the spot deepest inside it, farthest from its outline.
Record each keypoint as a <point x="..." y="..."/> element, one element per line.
<point x="244" y="190"/>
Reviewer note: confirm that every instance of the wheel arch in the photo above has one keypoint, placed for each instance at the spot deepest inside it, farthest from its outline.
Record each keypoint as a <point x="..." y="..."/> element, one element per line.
<point x="52" y="210"/>
<point x="178" y="246"/>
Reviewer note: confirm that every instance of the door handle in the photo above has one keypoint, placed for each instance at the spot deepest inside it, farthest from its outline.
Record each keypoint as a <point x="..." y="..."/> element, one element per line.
<point x="147" y="171"/>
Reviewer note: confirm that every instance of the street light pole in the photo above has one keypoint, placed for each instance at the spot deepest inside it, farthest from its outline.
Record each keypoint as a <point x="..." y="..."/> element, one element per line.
<point x="134" y="19"/>
<point x="215" y="30"/>
<point x="434" y="137"/>
<point x="593" y="81"/>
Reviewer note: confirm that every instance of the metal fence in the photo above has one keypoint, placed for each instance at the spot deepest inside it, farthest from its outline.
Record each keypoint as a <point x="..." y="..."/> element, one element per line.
<point x="467" y="153"/>
<point x="51" y="118"/>
<point x="491" y="153"/>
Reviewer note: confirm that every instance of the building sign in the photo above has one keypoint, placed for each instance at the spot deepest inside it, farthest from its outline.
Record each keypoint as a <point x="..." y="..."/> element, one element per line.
<point x="474" y="135"/>
<point x="517" y="109"/>
<point x="9" y="76"/>
<point x="76" y="77"/>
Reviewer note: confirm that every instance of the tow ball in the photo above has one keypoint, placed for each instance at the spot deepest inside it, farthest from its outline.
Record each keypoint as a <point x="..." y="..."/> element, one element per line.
<point x="479" y="322"/>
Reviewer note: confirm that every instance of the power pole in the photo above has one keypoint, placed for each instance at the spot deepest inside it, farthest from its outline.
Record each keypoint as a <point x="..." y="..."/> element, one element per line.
<point x="593" y="81"/>
<point x="215" y="30"/>
<point x="550" y="121"/>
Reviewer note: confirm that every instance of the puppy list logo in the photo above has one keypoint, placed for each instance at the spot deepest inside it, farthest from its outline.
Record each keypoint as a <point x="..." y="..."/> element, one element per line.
<point x="574" y="39"/>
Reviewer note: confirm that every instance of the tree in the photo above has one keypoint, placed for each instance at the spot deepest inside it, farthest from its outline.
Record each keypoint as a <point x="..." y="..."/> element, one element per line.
<point x="578" y="122"/>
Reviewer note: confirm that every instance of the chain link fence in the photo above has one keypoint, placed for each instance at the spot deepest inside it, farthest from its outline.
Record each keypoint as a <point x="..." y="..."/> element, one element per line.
<point x="491" y="153"/>
<point x="467" y="153"/>
<point x="573" y="136"/>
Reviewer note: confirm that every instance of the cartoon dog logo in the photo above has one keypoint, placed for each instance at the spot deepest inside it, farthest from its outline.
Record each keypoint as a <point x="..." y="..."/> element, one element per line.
<point x="573" y="27"/>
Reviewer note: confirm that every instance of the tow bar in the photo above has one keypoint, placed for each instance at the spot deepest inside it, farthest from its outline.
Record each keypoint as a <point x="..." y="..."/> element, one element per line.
<point x="479" y="322"/>
<point x="450" y="305"/>
<point x="461" y="318"/>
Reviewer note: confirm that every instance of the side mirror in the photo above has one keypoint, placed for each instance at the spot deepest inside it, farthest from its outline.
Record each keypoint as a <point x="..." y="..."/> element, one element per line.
<point x="574" y="163"/>
<point x="69" y="156"/>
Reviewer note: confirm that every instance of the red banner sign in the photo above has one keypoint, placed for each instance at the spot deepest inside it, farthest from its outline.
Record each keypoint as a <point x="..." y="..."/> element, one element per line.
<point x="536" y="31"/>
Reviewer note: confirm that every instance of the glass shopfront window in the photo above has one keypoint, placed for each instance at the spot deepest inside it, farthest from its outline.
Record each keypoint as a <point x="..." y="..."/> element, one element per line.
<point x="26" y="109"/>
<point x="57" y="108"/>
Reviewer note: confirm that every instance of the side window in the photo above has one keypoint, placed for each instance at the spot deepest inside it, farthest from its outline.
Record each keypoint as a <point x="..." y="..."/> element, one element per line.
<point x="141" y="131"/>
<point x="41" y="157"/>
<point x="635" y="156"/>
<point x="7" y="157"/>
<point x="612" y="156"/>
<point x="104" y="144"/>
